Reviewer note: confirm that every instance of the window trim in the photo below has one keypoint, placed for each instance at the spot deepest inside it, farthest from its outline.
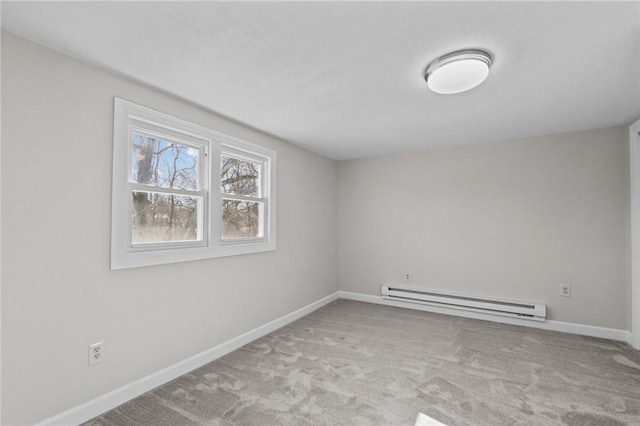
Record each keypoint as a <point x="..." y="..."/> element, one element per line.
<point x="129" y="116"/>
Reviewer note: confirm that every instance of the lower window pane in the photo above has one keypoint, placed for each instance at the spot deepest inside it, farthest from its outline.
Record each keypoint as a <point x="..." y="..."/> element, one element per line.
<point x="158" y="217"/>
<point x="241" y="219"/>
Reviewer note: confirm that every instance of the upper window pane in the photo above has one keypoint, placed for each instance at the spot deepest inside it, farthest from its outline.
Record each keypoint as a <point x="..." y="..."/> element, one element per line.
<point x="164" y="163"/>
<point x="239" y="176"/>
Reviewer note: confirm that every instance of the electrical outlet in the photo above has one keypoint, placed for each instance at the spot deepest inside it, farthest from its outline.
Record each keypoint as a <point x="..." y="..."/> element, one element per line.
<point x="407" y="276"/>
<point x="96" y="353"/>
<point x="565" y="290"/>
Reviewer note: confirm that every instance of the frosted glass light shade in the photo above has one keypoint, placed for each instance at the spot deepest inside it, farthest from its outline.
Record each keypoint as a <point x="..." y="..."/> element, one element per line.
<point x="458" y="71"/>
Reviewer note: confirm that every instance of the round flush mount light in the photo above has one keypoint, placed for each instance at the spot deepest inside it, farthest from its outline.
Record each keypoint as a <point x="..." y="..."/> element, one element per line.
<point x="458" y="71"/>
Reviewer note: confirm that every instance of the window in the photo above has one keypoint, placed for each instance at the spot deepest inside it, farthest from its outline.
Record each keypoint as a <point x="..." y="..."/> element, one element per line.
<point x="167" y="190"/>
<point x="165" y="205"/>
<point x="242" y="192"/>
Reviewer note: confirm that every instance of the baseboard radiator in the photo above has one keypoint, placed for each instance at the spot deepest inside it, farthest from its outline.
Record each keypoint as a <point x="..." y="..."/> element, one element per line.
<point x="506" y="308"/>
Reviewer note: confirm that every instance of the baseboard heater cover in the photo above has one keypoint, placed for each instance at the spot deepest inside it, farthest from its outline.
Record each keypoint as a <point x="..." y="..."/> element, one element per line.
<point x="506" y="308"/>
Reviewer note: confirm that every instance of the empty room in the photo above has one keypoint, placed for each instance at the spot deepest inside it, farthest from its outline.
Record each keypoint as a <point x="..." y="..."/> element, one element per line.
<point x="320" y="213"/>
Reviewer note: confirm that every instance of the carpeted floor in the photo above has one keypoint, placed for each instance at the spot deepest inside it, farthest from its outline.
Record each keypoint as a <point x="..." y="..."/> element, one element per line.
<point x="353" y="363"/>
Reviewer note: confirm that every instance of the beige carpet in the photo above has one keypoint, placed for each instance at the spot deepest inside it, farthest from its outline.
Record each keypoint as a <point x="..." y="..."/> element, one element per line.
<point x="353" y="363"/>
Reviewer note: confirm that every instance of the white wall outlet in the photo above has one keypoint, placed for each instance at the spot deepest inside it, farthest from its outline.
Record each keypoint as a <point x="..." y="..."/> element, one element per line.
<point x="96" y="353"/>
<point x="565" y="290"/>
<point x="407" y="276"/>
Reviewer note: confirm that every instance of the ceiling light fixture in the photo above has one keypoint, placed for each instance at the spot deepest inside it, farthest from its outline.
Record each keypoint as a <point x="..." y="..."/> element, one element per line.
<point x="458" y="71"/>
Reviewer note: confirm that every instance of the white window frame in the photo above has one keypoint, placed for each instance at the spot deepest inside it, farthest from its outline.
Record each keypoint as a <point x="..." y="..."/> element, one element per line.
<point x="129" y="116"/>
<point x="263" y="192"/>
<point x="203" y="145"/>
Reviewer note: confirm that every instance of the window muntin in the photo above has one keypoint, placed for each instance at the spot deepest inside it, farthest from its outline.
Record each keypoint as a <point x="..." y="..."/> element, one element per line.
<point x="164" y="206"/>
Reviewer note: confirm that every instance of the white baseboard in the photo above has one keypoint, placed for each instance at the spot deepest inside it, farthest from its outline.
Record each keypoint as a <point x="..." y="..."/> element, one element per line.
<point x="110" y="400"/>
<point x="565" y="327"/>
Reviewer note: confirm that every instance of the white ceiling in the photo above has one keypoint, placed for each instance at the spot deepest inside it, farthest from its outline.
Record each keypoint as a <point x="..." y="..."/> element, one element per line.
<point x="344" y="79"/>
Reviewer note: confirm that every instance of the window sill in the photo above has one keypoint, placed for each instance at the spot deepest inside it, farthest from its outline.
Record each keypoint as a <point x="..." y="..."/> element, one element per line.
<point x="135" y="259"/>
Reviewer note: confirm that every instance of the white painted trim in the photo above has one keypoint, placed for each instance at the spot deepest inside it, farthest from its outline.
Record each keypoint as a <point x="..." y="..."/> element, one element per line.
<point x="634" y="157"/>
<point x="565" y="327"/>
<point x="110" y="400"/>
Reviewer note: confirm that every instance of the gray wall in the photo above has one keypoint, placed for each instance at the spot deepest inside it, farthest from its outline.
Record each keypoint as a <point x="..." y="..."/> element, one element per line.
<point x="58" y="292"/>
<point x="513" y="220"/>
